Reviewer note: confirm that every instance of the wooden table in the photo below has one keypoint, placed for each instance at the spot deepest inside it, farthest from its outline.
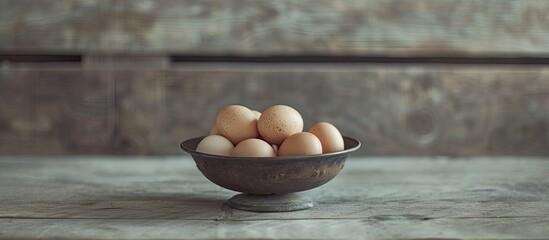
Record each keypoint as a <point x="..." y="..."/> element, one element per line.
<point x="168" y="198"/>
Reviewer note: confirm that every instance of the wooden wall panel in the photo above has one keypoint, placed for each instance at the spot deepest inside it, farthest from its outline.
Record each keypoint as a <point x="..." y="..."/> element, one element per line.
<point x="363" y="27"/>
<point x="141" y="108"/>
<point x="394" y="110"/>
<point x="126" y="97"/>
<point x="56" y="112"/>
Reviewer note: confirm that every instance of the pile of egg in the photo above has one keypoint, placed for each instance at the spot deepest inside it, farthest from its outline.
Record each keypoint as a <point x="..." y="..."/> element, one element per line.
<point x="277" y="131"/>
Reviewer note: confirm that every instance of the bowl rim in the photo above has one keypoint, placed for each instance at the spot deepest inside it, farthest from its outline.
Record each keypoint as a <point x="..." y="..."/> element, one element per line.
<point x="194" y="153"/>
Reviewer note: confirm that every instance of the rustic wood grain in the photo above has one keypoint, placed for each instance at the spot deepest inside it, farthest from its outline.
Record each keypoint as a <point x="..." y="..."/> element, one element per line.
<point x="461" y="110"/>
<point x="56" y="111"/>
<point x="378" y="198"/>
<point x="393" y="110"/>
<point x="356" y="27"/>
<point x="505" y="228"/>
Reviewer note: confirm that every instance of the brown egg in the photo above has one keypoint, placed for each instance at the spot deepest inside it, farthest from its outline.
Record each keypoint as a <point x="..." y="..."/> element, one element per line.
<point x="329" y="136"/>
<point x="214" y="131"/>
<point x="279" y="122"/>
<point x="216" y="145"/>
<point x="275" y="147"/>
<point x="253" y="147"/>
<point x="257" y="114"/>
<point x="302" y="143"/>
<point x="236" y="123"/>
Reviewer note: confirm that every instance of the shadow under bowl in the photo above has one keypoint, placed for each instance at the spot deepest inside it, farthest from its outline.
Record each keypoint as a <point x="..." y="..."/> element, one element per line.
<point x="271" y="175"/>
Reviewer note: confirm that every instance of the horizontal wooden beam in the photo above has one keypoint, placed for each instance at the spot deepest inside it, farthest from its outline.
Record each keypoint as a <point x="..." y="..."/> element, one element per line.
<point x="393" y="109"/>
<point x="249" y="27"/>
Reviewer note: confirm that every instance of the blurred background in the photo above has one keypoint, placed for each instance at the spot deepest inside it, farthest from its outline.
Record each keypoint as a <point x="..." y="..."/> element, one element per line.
<point x="406" y="77"/>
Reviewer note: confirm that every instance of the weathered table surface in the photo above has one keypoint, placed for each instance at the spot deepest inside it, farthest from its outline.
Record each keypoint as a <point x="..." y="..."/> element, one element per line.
<point x="168" y="198"/>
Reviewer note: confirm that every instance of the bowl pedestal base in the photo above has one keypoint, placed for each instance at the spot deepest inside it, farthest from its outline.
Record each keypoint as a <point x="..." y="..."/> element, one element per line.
<point x="271" y="203"/>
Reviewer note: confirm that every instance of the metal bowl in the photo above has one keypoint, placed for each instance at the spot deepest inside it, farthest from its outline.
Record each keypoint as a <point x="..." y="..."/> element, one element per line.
<point x="271" y="175"/>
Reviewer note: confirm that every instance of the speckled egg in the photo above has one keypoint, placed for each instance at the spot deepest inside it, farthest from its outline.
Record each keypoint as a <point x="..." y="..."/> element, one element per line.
<point x="278" y="122"/>
<point x="236" y="123"/>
